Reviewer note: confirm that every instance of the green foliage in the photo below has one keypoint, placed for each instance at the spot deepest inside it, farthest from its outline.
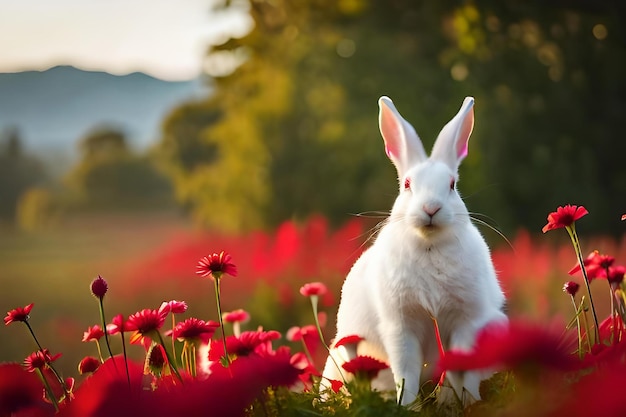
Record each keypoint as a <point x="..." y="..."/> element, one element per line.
<point x="292" y="131"/>
<point x="110" y="176"/>
<point x="36" y="209"/>
<point x="501" y="394"/>
<point x="18" y="172"/>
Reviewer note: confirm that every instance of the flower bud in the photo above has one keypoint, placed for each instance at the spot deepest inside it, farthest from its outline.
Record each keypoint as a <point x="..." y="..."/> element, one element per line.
<point x="571" y="288"/>
<point x="99" y="287"/>
<point x="88" y="365"/>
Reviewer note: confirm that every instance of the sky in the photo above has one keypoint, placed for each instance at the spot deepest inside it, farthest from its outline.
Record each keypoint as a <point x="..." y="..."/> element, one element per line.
<point x="164" y="38"/>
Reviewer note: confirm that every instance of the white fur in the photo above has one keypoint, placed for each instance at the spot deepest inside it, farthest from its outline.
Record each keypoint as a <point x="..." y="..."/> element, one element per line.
<point x="420" y="267"/>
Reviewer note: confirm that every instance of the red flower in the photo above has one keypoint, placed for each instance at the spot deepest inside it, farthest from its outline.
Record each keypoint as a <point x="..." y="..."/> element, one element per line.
<point x="516" y="346"/>
<point x="93" y="334"/>
<point x="313" y="288"/>
<point x="146" y="321"/>
<point x="20" y="393"/>
<point x="117" y="325"/>
<point x="348" y="340"/>
<point x="236" y="316"/>
<point x="596" y="265"/>
<point x="335" y="385"/>
<point x="18" y="314"/>
<point x="364" y="366"/>
<point x="195" y="329"/>
<point x="564" y="217"/>
<point x="571" y="288"/>
<point x="88" y="365"/>
<point x="107" y="393"/>
<point x="215" y="265"/>
<point x="616" y="275"/>
<point x="251" y="342"/>
<point x="156" y="359"/>
<point x="99" y="287"/>
<point x="176" y="307"/>
<point x="39" y="360"/>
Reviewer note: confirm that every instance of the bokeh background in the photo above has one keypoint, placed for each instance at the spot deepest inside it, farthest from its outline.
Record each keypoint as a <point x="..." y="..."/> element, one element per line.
<point x="137" y="137"/>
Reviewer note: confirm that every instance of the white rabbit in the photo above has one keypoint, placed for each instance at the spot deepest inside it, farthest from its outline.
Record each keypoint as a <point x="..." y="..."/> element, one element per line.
<point x="428" y="261"/>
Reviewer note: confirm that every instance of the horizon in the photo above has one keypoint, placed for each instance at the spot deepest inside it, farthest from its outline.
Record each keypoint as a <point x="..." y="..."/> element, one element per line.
<point x="157" y="37"/>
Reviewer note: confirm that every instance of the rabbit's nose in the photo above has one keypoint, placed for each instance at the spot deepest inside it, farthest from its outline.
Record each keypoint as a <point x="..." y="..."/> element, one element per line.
<point x="431" y="209"/>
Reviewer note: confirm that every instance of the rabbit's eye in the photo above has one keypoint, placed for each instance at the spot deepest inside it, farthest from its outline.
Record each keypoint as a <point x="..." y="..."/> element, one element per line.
<point x="407" y="183"/>
<point x="452" y="183"/>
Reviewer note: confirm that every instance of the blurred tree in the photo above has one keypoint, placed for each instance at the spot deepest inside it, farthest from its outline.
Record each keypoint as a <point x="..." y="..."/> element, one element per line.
<point x="18" y="172"/>
<point x="110" y="176"/>
<point x="549" y="80"/>
<point x="292" y="130"/>
<point x="37" y="209"/>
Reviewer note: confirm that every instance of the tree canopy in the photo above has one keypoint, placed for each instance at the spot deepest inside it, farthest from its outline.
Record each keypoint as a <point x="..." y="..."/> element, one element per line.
<point x="293" y="129"/>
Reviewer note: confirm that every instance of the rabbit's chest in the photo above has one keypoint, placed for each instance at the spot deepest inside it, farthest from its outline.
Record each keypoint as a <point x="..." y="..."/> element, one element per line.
<point x="431" y="283"/>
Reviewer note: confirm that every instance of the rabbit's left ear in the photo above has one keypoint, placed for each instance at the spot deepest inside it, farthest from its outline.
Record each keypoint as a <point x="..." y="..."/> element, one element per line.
<point x="452" y="143"/>
<point x="402" y="144"/>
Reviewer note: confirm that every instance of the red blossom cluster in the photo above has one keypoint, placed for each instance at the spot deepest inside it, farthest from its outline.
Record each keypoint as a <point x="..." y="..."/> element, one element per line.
<point x="201" y="381"/>
<point x="293" y="254"/>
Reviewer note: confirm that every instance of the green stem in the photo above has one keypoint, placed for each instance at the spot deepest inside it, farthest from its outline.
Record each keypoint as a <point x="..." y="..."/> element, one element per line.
<point x="580" y="339"/>
<point x="170" y="360"/>
<point x="54" y="371"/>
<point x="314" y="300"/>
<point x="125" y="357"/>
<point x="99" y="351"/>
<point x="219" y="315"/>
<point x="307" y="353"/>
<point x="104" y="326"/>
<point x="48" y="388"/>
<point x="571" y="230"/>
<point x="173" y="325"/>
<point x="585" y="322"/>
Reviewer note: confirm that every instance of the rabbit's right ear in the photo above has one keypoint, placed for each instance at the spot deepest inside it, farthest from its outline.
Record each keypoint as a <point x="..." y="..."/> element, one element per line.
<point x="402" y="144"/>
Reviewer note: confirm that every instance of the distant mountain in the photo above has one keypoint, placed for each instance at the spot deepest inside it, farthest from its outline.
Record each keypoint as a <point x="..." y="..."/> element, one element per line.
<point x="53" y="109"/>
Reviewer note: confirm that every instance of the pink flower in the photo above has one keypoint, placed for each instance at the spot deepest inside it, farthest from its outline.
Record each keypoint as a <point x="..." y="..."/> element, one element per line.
<point x="236" y="316"/>
<point x="117" y="325"/>
<point x="176" y="307"/>
<point x="215" y="265"/>
<point x="248" y="343"/>
<point x="307" y="334"/>
<point x="364" y="366"/>
<point x="18" y="314"/>
<point x="93" y="334"/>
<point x="313" y="288"/>
<point x="564" y="217"/>
<point x="146" y="321"/>
<point x="194" y="329"/>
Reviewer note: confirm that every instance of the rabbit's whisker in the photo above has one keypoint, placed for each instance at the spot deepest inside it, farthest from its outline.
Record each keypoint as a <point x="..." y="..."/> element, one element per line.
<point x="481" y="222"/>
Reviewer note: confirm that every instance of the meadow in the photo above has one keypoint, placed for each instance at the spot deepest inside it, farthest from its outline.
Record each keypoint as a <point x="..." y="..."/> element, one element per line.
<point x="149" y="259"/>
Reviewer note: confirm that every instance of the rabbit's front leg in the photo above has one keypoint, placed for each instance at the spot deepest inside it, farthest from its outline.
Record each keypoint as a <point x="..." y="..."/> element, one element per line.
<point x="466" y="384"/>
<point x="406" y="359"/>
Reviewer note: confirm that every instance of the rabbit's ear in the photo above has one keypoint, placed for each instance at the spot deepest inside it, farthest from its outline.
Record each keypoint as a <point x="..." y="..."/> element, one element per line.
<point x="402" y="144"/>
<point x="452" y="143"/>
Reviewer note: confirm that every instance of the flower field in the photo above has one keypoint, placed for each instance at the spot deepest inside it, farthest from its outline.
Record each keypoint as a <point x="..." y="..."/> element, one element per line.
<point x="190" y="324"/>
